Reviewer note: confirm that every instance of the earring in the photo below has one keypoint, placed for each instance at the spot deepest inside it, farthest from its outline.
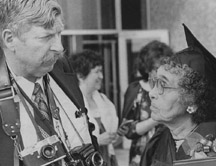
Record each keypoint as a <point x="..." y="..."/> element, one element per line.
<point x="190" y="109"/>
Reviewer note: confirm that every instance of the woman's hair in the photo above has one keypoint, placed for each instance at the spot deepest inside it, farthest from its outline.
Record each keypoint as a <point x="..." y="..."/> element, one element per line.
<point x="151" y="54"/>
<point x="18" y="16"/>
<point x="195" y="89"/>
<point x="84" y="61"/>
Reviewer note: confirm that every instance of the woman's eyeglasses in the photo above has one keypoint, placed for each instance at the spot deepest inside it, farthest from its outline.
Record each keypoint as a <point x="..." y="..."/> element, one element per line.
<point x="159" y="84"/>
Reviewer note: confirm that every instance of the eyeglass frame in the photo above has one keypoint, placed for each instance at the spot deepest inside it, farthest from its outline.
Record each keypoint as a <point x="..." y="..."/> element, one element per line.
<point x="156" y="82"/>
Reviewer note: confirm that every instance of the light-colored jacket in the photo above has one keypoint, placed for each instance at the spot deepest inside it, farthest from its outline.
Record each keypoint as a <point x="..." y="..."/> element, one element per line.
<point x="106" y="111"/>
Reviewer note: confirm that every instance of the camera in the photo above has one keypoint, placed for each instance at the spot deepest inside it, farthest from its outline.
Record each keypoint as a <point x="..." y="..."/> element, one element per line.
<point x="84" y="155"/>
<point x="45" y="152"/>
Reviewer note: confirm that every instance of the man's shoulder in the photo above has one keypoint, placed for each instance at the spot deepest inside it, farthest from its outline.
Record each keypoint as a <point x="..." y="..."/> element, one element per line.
<point x="63" y="64"/>
<point x="66" y="79"/>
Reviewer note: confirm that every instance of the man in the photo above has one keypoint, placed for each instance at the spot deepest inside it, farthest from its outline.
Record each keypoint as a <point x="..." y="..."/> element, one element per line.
<point x="31" y="43"/>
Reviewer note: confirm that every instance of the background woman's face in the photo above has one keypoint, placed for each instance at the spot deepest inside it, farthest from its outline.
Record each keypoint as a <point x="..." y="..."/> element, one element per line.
<point x="156" y="65"/>
<point x="166" y="107"/>
<point x="94" y="78"/>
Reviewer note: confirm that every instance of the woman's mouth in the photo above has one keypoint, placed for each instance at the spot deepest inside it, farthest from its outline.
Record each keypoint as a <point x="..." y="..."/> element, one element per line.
<point x="153" y="107"/>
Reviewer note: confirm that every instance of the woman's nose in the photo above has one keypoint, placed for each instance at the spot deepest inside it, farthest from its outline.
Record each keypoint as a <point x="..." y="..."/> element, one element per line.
<point x="101" y="75"/>
<point x="153" y="93"/>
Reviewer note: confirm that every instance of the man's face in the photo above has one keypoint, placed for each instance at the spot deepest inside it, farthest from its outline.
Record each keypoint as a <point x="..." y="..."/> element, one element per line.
<point x="37" y="50"/>
<point x="166" y="107"/>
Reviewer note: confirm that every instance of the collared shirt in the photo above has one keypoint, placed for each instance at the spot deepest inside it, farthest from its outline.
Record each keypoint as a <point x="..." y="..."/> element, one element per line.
<point x="28" y="131"/>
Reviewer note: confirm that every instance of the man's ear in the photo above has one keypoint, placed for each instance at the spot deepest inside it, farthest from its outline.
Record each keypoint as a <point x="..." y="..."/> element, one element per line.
<point x="8" y="39"/>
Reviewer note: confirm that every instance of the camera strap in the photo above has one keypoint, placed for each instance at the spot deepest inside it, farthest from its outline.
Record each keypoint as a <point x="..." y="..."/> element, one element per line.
<point x="9" y="108"/>
<point x="53" y="107"/>
<point x="38" y="120"/>
<point x="50" y="99"/>
<point x="39" y="134"/>
<point x="51" y="95"/>
<point x="37" y="114"/>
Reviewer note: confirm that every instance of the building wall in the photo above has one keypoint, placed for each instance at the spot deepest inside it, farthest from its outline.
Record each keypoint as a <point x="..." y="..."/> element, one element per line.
<point x="198" y="15"/>
<point x="79" y="14"/>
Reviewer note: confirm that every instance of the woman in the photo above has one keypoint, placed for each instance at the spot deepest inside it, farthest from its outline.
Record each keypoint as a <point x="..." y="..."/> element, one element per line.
<point x="101" y="111"/>
<point x="137" y="102"/>
<point x="183" y="99"/>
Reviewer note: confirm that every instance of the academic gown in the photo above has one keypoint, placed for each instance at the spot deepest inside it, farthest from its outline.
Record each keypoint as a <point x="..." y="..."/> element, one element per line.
<point x="161" y="149"/>
<point x="136" y="102"/>
<point x="129" y="97"/>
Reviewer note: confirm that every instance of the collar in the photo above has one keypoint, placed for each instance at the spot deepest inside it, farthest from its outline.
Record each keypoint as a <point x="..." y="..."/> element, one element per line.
<point x="26" y="85"/>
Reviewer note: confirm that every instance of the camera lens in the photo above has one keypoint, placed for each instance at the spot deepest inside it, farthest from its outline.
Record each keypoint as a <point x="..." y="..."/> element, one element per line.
<point x="48" y="151"/>
<point x="97" y="159"/>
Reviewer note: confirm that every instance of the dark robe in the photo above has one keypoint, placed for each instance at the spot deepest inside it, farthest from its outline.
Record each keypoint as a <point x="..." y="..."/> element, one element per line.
<point x="161" y="148"/>
<point x="132" y="110"/>
<point x="66" y="79"/>
<point x="130" y="95"/>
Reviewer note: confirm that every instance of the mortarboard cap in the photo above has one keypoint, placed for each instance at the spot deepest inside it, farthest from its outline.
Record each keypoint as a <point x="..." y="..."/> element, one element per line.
<point x="197" y="57"/>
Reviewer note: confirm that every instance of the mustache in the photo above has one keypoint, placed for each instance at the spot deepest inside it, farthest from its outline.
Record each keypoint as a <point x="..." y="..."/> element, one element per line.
<point x="60" y="54"/>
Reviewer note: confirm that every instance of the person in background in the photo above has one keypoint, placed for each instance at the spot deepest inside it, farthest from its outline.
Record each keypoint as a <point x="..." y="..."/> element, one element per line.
<point x="136" y="122"/>
<point x="183" y="99"/>
<point x="37" y="106"/>
<point x="88" y="67"/>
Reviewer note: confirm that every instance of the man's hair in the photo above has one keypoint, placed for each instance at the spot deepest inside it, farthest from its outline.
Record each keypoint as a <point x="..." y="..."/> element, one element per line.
<point x="19" y="15"/>
<point x="84" y="61"/>
<point x="194" y="90"/>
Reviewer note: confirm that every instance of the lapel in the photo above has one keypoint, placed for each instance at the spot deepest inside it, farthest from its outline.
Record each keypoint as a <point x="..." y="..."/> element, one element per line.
<point x="64" y="76"/>
<point x="67" y="80"/>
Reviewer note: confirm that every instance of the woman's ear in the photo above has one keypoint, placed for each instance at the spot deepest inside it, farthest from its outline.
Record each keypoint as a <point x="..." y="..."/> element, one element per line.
<point x="191" y="109"/>
<point x="8" y="39"/>
<point x="80" y="77"/>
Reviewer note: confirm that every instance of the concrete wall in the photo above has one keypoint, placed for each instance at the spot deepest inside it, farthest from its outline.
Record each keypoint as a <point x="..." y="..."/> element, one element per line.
<point x="198" y="15"/>
<point x="79" y="14"/>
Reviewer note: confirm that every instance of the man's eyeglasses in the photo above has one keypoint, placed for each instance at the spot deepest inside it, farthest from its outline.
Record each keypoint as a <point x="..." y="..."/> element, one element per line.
<point x="160" y="84"/>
